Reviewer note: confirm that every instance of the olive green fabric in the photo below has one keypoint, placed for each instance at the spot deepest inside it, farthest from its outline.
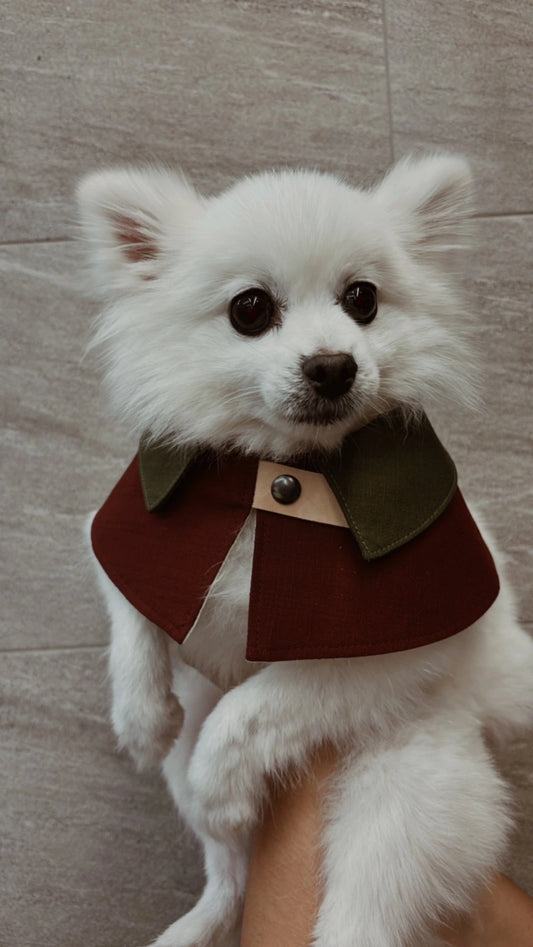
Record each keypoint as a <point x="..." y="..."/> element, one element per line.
<point x="391" y="480"/>
<point x="161" y="469"/>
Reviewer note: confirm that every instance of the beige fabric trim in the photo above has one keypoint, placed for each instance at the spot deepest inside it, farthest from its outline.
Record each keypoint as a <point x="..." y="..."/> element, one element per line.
<point x="316" y="503"/>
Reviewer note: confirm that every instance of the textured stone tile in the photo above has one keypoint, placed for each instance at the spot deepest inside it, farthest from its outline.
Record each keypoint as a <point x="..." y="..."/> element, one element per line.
<point x="92" y="852"/>
<point x="461" y="77"/>
<point x="59" y="457"/>
<point x="221" y="88"/>
<point x="493" y="449"/>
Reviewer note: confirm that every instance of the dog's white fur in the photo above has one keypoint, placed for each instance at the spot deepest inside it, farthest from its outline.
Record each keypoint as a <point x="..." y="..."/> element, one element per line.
<point x="417" y="816"/>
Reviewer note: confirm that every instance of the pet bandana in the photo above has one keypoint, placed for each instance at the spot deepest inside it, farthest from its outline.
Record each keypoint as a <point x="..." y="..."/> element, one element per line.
<point x="395" y="560"/>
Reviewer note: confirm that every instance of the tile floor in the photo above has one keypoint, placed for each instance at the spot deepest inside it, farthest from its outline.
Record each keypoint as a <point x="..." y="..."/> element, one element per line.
<point x="92" y="853"/>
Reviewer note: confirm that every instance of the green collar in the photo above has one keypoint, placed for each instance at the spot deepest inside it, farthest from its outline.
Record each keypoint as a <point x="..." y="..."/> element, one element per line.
<point x="391" y="481"/>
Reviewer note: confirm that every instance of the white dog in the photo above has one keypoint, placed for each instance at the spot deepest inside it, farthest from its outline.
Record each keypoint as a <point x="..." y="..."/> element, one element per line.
<point x="272" y="322"/>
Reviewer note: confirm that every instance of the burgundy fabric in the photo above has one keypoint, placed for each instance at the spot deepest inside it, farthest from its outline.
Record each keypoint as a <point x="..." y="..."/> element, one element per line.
<point x="318" y="598"/>
<point x="313" y="595"/>
<point x="164" y="562"/>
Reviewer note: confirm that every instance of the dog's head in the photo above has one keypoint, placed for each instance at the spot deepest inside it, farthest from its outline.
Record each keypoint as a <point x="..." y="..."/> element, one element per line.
<point x="283" y="313"/>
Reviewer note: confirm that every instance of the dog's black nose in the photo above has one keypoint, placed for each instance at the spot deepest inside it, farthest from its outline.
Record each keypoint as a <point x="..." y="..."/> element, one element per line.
<point x="330" y="374"/>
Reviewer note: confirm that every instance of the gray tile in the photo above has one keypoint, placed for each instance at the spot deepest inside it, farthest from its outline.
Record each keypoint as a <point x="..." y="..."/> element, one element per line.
<point x="59" y="458"/>
<point x="461" y="77"/>
<point x="92" y="852"/>
<point x="221" y="88"/>
<point x="493" y="448"/>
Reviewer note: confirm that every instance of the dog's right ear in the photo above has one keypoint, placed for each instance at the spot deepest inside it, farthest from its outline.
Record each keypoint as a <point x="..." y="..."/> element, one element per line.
<point x="428" y="200"/>
<point x="132" y="222"/>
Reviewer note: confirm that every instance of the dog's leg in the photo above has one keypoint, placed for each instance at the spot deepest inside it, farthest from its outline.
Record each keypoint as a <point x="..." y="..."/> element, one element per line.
<point x="260" y="727"/>
<point x="146" y="714"/>
<point x="157" y="715"/>
<point x="413" y="830"/>
<point x="214" y="920"/>
<point x="271" y="723"/>
<point x="266" y="725"/>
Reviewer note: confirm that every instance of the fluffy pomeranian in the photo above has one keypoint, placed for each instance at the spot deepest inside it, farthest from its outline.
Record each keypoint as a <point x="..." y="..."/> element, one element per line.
<point x="275" y="324"/>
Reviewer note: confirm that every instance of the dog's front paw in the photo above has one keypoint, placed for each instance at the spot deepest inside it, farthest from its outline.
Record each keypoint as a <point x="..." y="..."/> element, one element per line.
<point x="223" y="792"/>
<point x="148" y="729"/>
<point x="223" y="820"/>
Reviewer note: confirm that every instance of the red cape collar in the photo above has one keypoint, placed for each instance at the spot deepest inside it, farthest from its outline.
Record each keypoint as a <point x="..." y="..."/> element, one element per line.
<point x="406" y="573"/>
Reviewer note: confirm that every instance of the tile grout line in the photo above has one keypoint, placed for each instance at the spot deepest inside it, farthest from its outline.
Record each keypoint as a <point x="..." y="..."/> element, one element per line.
<point x="387" y="77"/>
<point x="24" y="241"/>
<point x="66" y="649"/>
<point x="498" y="214"/>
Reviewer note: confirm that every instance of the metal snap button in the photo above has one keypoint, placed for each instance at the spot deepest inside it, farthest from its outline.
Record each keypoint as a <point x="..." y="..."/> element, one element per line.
<point x="286" y="489"/>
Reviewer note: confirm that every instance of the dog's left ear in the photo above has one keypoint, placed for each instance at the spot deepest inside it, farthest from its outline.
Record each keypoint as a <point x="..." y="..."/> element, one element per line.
<point x="133" y="222"/>
<point x="429" y="201"/>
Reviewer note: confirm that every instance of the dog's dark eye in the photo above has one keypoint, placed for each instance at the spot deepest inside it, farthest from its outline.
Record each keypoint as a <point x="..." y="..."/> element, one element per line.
<point x="360" y="301"/>
<point x="252" y="312"/>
